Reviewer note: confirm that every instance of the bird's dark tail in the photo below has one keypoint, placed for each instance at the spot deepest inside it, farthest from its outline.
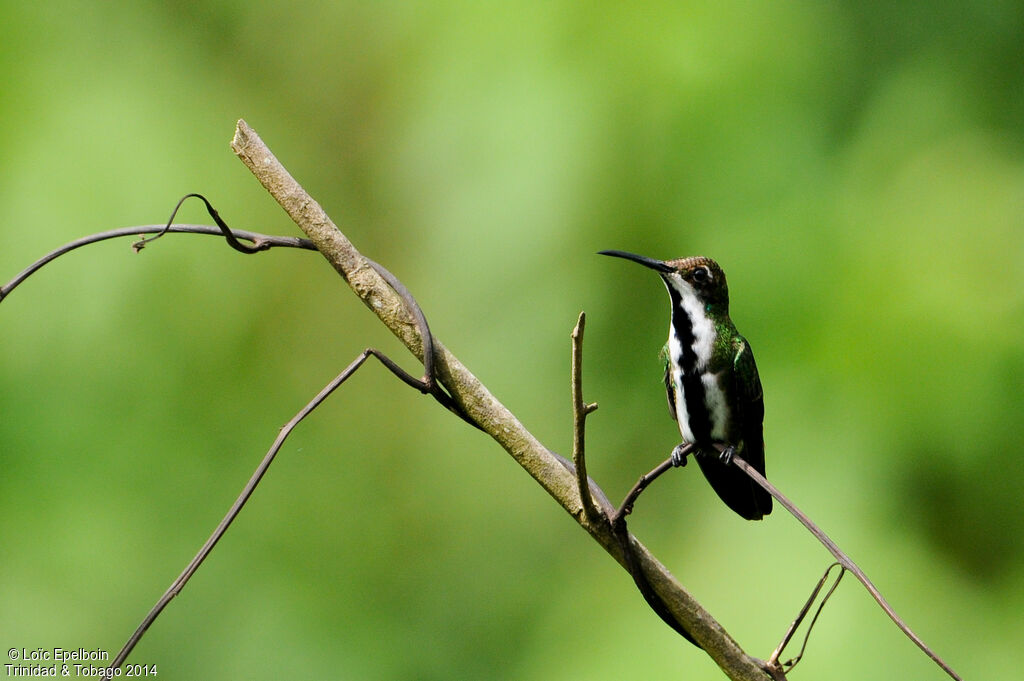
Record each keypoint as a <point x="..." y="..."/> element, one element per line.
<point x="734" y="487"/>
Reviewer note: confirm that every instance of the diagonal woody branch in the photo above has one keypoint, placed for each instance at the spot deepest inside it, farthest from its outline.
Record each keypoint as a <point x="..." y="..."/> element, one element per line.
<point x="551" y="471"/>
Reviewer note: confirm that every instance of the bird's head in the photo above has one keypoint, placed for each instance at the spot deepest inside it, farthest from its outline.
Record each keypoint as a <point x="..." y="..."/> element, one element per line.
<point x="695" y="277"/>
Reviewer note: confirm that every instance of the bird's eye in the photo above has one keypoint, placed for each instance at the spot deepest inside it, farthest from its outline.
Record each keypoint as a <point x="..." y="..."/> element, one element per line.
<point x="701" y="275"/>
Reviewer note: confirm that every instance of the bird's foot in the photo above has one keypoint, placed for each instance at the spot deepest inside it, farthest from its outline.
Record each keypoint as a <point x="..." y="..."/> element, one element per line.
<point x="726" y="455"/>
<point x="679" y="454"/>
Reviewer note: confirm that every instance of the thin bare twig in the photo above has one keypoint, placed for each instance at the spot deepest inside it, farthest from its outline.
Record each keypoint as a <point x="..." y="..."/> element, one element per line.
<point x="627" y="504"/>
<point x="580" y="409"/>
<point x="250" y="487"/>
<point x="178" y="584"/>
<point x="264" y="241"/>
<point x="843" y="560"/>
<point x="228" y="235"/>
<point x="773" y="660"/>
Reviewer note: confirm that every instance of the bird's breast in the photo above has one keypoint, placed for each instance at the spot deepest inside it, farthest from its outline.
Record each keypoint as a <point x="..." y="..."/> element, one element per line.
<point x="702" y="410"/>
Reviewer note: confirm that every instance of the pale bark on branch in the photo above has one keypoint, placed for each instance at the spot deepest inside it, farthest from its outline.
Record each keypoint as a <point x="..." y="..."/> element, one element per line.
<point x="551" y="471"/>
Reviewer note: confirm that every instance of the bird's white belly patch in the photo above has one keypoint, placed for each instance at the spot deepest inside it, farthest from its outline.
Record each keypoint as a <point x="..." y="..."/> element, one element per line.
<point x="682" y="415"/>
<point x="718" y="410"/>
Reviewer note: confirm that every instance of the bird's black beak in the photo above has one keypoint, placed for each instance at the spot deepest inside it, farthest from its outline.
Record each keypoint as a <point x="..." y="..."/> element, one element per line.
<point x="657" y="265"/>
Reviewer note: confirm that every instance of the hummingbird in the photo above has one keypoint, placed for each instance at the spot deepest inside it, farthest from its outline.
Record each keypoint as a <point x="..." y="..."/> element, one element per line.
<point x="714" y="391"/>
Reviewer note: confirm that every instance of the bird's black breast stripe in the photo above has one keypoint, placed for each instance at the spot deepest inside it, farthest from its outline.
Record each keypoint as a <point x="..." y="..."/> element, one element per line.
<point x="693" y="387"/>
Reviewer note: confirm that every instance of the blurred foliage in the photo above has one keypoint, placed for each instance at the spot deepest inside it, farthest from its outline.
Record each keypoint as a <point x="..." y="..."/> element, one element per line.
<point x="857" y="168"/>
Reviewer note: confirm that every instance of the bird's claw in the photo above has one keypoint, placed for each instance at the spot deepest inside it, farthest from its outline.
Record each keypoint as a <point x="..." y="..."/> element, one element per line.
<point x="726" y="455"/>
<point x="679" y="455"/>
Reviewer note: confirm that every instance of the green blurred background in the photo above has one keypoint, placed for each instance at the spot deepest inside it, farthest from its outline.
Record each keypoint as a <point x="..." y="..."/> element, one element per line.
<point x="857" y="168"/>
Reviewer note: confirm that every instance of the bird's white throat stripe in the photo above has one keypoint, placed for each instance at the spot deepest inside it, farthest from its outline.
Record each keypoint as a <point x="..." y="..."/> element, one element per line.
<point x="703" y="328"/>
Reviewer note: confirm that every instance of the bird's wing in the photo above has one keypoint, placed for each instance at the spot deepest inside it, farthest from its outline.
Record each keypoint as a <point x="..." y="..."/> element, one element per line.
<point x="750" y="407"/>
<point x="748" y="383"/>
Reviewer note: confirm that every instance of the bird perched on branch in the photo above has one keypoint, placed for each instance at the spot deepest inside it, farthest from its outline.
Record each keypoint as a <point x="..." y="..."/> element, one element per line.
<point x="714" y="391"/>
